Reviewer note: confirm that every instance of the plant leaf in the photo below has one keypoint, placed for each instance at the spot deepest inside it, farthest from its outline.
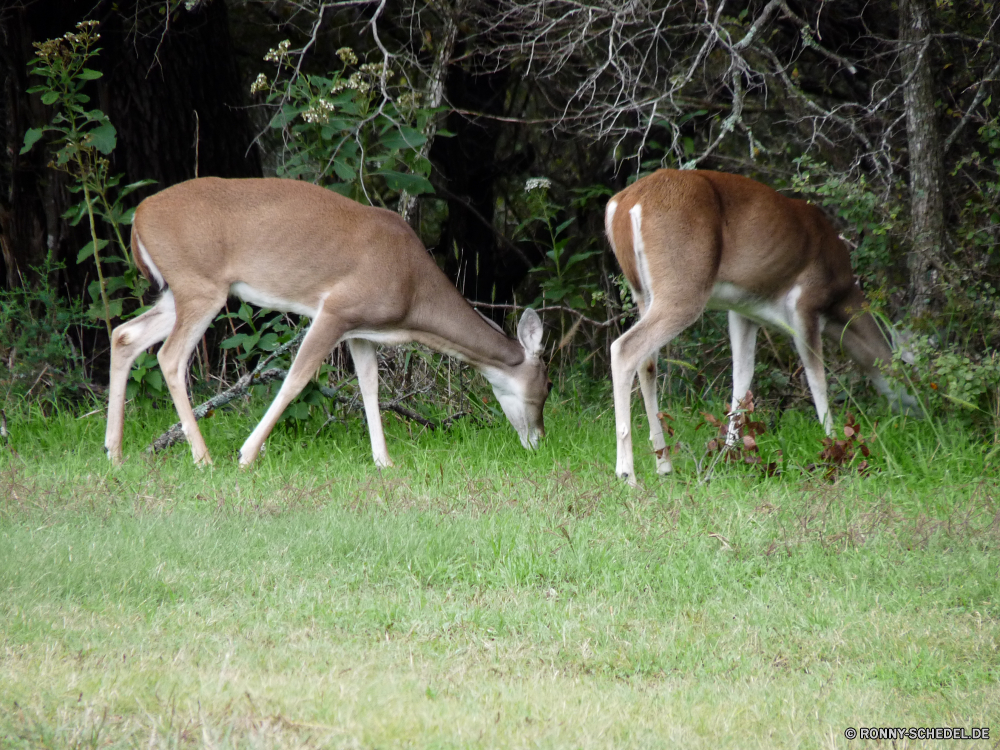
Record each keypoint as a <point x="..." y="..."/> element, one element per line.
<point x="344" y="171"/>
<point x="412" y="183"/>
<point x="103" y="138"/>
<point x="233" y="341"/>
<point x="87" y="251"/>
<point x="134" y="186"/>
<point x="154" y="379"/>
<point x="30" y="138"/>
<point x="403" y="138"/>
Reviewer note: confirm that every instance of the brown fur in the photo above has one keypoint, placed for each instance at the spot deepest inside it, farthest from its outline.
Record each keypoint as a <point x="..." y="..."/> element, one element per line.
<point x="715" y="227"/>
<point x="700" y="229"/>
<point x="361" y="272"/>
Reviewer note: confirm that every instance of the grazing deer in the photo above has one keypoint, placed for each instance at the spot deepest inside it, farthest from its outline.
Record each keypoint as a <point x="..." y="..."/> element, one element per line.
<point x="359" y="272"/>
<point x="691" y="240"/>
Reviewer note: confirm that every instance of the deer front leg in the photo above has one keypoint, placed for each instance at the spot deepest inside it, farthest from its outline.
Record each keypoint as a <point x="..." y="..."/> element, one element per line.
<point x="322" y="336"/>
<point x="743" y="342"/>
<point x="366" y="367"/>
<point x="810" y="348"/>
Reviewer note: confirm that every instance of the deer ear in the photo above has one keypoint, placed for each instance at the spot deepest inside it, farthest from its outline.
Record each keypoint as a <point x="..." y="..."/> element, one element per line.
<point x="529" y="332"/>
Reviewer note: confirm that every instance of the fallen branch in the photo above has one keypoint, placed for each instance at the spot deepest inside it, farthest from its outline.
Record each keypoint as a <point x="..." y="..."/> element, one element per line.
<point x="176" y="433"/>
<point x="259" y="376"/>
<point x="557" y="308"/>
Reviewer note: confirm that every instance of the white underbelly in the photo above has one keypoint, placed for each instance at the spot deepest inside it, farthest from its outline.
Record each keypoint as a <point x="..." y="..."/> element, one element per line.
<point x="272" y="302"/>
<point x="779" y="312"/>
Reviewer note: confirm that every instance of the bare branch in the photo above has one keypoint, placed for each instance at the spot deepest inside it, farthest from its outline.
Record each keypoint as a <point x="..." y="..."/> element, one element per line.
<point x="976" y="100"/>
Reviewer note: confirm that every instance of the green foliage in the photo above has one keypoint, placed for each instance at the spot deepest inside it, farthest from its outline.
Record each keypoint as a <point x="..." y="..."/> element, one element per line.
<point x="263" y="336"/>
<point x="952" y="384"/>
<point x="146" y="379"/>
<point x="257" y="334"/>
<point x="973" y="276"/>
<point x="82" y="139"/>
<point x="354" y="130"/>
<point x="39" y="358"/>
<point x="875" y="220"/>
<point x="566" y="279"/>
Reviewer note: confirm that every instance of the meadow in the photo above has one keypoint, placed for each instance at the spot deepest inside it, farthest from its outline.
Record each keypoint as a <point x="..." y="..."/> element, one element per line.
<point x="479" y="596"/>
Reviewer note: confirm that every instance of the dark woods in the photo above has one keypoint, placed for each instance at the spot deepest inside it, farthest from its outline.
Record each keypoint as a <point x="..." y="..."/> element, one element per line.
<point x="882" y="112"/>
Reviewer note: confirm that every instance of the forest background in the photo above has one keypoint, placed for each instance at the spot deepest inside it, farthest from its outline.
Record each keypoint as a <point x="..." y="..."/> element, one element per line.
<point x="499" y="129"/>
<point x="478" y="595"/>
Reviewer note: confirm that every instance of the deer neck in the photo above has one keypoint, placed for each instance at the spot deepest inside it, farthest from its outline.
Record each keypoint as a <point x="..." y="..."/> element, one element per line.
<point x="464" y="334"/>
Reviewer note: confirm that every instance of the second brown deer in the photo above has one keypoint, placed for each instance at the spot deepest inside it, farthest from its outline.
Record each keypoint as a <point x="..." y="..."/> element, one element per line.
<point x="691" y="240"/>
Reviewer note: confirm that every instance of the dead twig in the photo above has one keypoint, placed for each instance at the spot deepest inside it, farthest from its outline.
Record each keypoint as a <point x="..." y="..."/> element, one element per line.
<point x="557" y="308"/>
<point x="258" y="375"/>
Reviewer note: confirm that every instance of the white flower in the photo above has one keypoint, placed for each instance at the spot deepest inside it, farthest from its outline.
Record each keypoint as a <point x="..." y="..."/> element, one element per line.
<point x="259" y="84"/>
<point x="319" y="111"/>
<point x="358" y="82"/>
<point x="347" y="55"/>
<point x="537" y="183"/>
<point x="409" y="100"/>
<point x="275" y="55"/>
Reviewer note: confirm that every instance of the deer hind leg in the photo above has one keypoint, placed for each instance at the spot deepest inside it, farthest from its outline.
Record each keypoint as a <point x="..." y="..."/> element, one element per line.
<point x="647" y="384"/>
<point x="193" y="316"/>
<point x="743" y="342"/>
<point x="366" y="367"/>
<point x="806" y="332"/>
<point x="326" y="330"/>
<point x="653" y="331"/>
<point x="127" y="340"/>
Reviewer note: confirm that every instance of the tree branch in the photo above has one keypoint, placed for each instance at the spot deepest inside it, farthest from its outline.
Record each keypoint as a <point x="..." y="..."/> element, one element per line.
<point x="980" y="94"/>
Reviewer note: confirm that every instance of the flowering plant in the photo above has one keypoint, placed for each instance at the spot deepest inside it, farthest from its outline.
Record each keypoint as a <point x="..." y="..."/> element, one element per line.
<point x="357" y="130"/>
<point x="83" y="138"/>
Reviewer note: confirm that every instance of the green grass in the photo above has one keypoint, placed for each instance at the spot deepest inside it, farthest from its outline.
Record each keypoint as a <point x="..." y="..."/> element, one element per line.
<point x="480" y="596"/>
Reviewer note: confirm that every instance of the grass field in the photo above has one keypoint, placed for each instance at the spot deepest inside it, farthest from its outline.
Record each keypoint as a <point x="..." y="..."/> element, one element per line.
<point x="480" y="596"/>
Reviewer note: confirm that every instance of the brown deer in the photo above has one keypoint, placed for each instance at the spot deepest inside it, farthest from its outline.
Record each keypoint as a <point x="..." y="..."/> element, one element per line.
<point x="691" y="240"/>
<point x="359" y="272"/>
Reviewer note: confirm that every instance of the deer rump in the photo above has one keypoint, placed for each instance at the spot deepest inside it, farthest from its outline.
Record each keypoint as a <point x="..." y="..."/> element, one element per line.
<point x="688" y="241"/>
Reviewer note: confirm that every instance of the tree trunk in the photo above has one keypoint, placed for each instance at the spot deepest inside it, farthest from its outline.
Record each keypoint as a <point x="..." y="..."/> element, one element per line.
<point x="926" y="161"/>
<point x="433" y="97"/>
<point x="483" y="267"/>
<point x="175" y="96"/>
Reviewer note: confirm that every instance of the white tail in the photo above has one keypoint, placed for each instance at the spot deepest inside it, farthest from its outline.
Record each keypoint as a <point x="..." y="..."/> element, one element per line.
<point x="691" y="240"/>
<point x="359" y="272"/>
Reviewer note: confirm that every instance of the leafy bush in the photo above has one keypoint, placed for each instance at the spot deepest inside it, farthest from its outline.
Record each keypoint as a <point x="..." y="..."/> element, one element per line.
<point x="960" y="386"/>
<point x="875" y="220"/>
<point x="40" y="355"/>
<point x="354" y="130"/>
<point x="82" y="139"/>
